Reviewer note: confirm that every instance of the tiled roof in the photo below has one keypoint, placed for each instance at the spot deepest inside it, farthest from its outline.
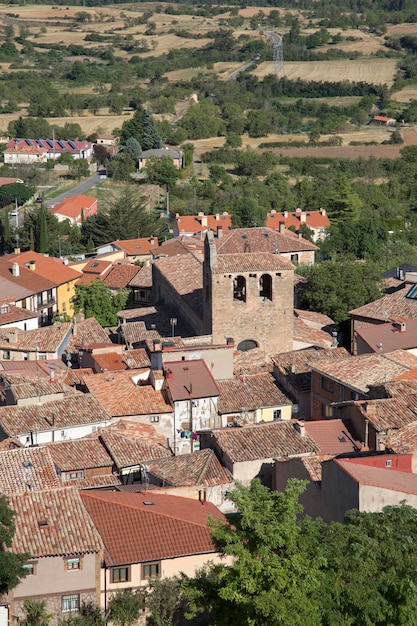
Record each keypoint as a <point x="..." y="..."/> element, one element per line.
<point x="128" y="452"/>
<point x="185" y="274"/>
<point x="314" y="336"/>
<point x="13" y="313"/>
<point x="250" y="362"/>
<point x="87" y="332"/>
<point x="251" y="392"/>
<point x="130" y="398"/>
<point x="32" y="387"/>
<point x="313" y="465"/>
<point x="387" y="413"/>
<point x="135" y="332"/>
<point x="34" y="370"/>
<point x="143" y="278"/>
<point x="263" y="441"/>
<point x="72" y="207"/>
<point x="120" y="276"/>
<point x="79" y="454"/>
<point x="404" y="440"/>
<point x="136" y="247"/>
<point x="184" y="244"/>
<point x="261" y="240"/>
<point x="383" y="478"/>
<point x="24" y="285"/>
<point x="331" y="436"/>
<point x="313" y="316"/>
<point x="109" y="362"/>
<point x="201" y="468"/>
<point x="135" y="532"/>
<point x="53" y="523"/>
<point x="190" y="379"/>
<point x="296" y="365"/>
<point x="96" y="267"/>
<point x="136" y="359"/>
<point x="47" y="338"/>
<point x="247" y="261"/>
<point x="95" y="482"/>
<point x="136" y="430"/>
<point x="394" y="304"/>
<point x="388" y="337"/>
<point x="73" y="410"/>
<point x="27" y="469"/>
<point x="200" y="223"/>
<point x="48" y="267"/>
<point x="313" y="219"/>
<point x="360" y="372"/>
<point x="11" y="443"/>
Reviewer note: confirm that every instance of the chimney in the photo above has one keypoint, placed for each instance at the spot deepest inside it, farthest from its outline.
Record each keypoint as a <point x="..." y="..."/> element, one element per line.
<point x="219" y="232"/>
<point x="285" y="214"/>
<point x="15" y="269"/>
<point x="169" y="374"/>
<point x="203" y="219"/>
<point x="230" y="341"/>
<point x="17" y="250"/>
<point x="217" y="217"/>
<point x="273" y="212"/>
<point x="298" y="210"/>
<point x="151" y="240"/>
<point x="400" y="325"/>
<point x="79" y="317"/>
<point x="300" y="428"/>
<point x="157" y="345"/>
<point x="282" y="227"/>
<point x="300" y="236"/>
<point x="247" y="246"/>
<point x="323" y="211"/>
<point x="303" y="218"/>
<point x="32" y="265"/>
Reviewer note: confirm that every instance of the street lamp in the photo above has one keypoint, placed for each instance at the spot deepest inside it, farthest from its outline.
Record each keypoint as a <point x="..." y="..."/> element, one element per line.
<point x="173" y="321"/>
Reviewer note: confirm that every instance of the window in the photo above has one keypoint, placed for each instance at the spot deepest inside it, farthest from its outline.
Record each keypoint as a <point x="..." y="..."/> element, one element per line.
<point x="64" y="307"/>
<point x="154" y="418"/>
<point x="239" y="288"/>
<point x="70" y="603"/>
<point x="326" y="411"/>
<point x="30" y="569"/>
<point x="72" y="475"/>
<point x="39" y="299"/>
<point x="327" y="384"/>
<point x="294" y="258"/>
<point x="150" y="570"/>
<point x="72" y="564"/>
<point x="120" y="574"/>
<point x="6" y="354"/>
<point x="277" y="414"/>
<point x="265" y="287"/>
<point x="42" y="356"/>
<point x="388" y="463"/>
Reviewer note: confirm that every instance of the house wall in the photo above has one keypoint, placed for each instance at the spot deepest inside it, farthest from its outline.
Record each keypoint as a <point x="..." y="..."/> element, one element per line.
<point x="324" y="391"/>
<point x="360" y="322"/>
<point x="339" y="492"/>
<point x="310" y="499"/>
<point x="245" y="471"/>
<point x="302" y="257"/>
<point x="266" y="414"/>
<point x="354" y="421"/>
<point x="29" y="324"/>
<point x="219" y="360"/>
<point x="216" y="494"/>
<point x="22" y="158"/>
<point x="52" y="581"/>
<point x="60" y="434"/>
<point x="373" y="499"/>
<point x="196" y="414"/>
<point x="65" y="293"/>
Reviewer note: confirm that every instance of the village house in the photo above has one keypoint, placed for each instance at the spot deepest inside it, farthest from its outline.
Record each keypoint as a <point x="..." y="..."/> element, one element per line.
<point x="135" y="250"/>
<point x="29" y="151"/>
<point x="48" y="342"/>
<point x="199" y="224"/>
<point x="12" y="316"/>
<point x="65" y="552"/>
<point x="218" y="358"/>
<point x="134" y="557"/>
<point x="313" y="329"/>
<point x="176" y="156"/>
<point x="249" y="451"/>
<point x="251" y="399"/>
<point x="397" y="334"/>
<point x="27" y="469"/>
<point x="317" y="221"/>
<point x="141" y="286"/>
<point x="75" y="209"/>
<point x="63" y="278"/>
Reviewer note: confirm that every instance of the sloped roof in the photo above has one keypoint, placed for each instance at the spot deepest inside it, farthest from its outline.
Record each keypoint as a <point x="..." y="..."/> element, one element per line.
<point x="194" y="223"/>
<point x="134" y="247"/>
<point x="395" y="304"/>
<point x="313" y="219"/>
<point x="72" y="207"/>
<point x="143" y="278"/>
<point x="201" y="468"/>
<point x="85" y="333"/>
<point x="136" y="532"/>
<point x="47" y="338"/>
<point x="73" y="410"/>
<point x="24" y="285"/>
<point x="261" y="239"/>
<point x="185" y="274"/>
<point x="387" y="337"/>
<point x="248" y="261"/>
<point x="128" y="452"/>
<point x="190" y="379"/>
<point x="120" y="276"/>
<point x="404" y="440"/>
<point x="383" y="478"/>
<point x="130" y="398"/>
<point x="251" y="392"/>
<point x="296" y="365"/>
<point x="53" y="523"/>
<point x="13" y="313"/>
<point x="48" y="267"/>
<point x="136" y="359"/>
<point x="27" y="469"/>
<point x="263" y="441"/>
<point x="388" y="413"/>
<point x="314" y="336"/>
<point x="331" y="436"/>
<point x="79" y="454"/>
<point x="184" y="244"/>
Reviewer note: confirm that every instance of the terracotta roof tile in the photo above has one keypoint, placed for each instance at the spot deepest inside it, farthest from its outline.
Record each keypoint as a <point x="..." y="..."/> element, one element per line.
<point x="127" y="452"/>
<point x="136" y="247"/>
<point x="135" y="532"/>
<point x="190" y="379"/>
<point x="391" y="305"/>
<point x="389" y="413"/>
<point x="185" y="274"/>
<point x="263" y="441"/>
<point x="331" y="436"/>
<point x="136" y="332"/>
<point x="47" y="338"/>
<point x="136" y="359"/>
<point x="404" y="440"/>
<point x="53" y="523"/>
<point x="143" y="278"/>
<point x="200" y="223"/>
<point x="27" y="469"/>
<point x="73" y="206"/>
<point x="120" y="276"/>
<point x="314" y="336"/>
<point x="312" y="219"/>
<point x="247" y="261"/>
<point x="261" y="240"/>
<point x="251" y="392"/>
<point x="201" y="468"/>
<point x="79" y="454"/>
<point x="109" y="362"/>
<point x="87" y="332"/>
<point x="95" y="482"/>
<point x="296" y="365"/>
<point x="47" y="267"/>
<point x="10" y="313"/>
<point x="383" y="478"/>
<point x="184" y="244"/>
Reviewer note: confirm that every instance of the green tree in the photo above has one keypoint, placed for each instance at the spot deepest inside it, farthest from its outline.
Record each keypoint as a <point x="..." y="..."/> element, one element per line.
<point x="97" y="300"/>
<point x="276" y="571"/>
<point x="11" y="563"/>
<point x="43" y="233"/>
<point x="163" y="601"/>
<point x="125" y="606"/>
<point x="133" y="148"/>
<point x="15" y="191"/>
<point x="142" y="127"/>
<point x="162" y="171"/>
<point x="121" y="166"/>
<point x="36" y="613"/>
<point x="90" y="615"/>
<point x="336" y="287"/>
<point x="340" y="199"/>
<point x="79" y="168"/>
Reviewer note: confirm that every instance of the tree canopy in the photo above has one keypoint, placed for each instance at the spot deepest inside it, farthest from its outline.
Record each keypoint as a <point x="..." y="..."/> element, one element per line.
<point x="289" y="570"/>
<point x="97" y="300"/>
<point x="11" y="563"/>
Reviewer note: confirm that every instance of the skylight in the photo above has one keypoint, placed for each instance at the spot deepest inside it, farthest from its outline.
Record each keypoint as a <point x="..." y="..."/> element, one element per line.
<point x="412" y="294"/>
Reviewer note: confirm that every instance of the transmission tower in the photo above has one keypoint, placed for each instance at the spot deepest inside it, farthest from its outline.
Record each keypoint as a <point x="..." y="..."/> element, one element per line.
<point x="278" y="56"/>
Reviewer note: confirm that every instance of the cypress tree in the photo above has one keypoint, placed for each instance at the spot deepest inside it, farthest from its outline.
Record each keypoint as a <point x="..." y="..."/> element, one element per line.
<point x="43" y="231"/>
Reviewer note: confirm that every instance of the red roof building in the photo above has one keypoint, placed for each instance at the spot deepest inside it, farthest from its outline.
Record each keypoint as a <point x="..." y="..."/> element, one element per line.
<point x="75" y="209"/>
<point x="197" y="224"/>
<point x="317" y="221"/>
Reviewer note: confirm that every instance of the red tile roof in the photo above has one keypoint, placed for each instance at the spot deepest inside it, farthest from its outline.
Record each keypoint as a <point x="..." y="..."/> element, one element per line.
<point x="388" y="337"/>
<point x="331" y="436"/>
<point x="53" y="523"/>
<point x="40" y="472"/>
<point x="87" y="332"/>
<point x="391" y="305"/>
<point x="73" y="206"/>
<point x="120" y="276"/>
<point x="79" y="454"/>
<point x="251" y="392"/>
<point x="48" y="267"/>
<point x="383" y="478"/>
<point x="263" y="441"/>
<point x="190" y="379"/>
<point x="201" y="223"/>
<point x="128" y="452"/>
<point x="312" y="219"/>
<point x="10" y="313"/>
<point x="261" y="239"/>
<point x="247" y="261"/>
<point x="136" y="532"/>
<point x="389" y="413"/>
<point x="48" y="338"/>
<point x="201" y="468"/>
<point x="137" y="247"/>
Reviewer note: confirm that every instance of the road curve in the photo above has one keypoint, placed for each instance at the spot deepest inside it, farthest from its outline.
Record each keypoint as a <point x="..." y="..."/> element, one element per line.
<point x="75" y="191"/>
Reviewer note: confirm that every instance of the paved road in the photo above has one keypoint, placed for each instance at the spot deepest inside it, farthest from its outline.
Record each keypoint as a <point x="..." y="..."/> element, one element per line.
<point x="276" y="38"/>
<point x="75" y="191"/>
<point x="235" y="74"/>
